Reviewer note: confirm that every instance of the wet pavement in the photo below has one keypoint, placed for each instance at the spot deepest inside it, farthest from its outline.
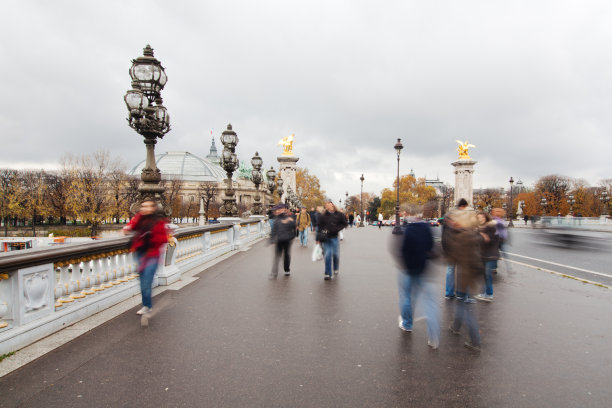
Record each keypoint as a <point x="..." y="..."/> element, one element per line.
<point x="233" y="338"/>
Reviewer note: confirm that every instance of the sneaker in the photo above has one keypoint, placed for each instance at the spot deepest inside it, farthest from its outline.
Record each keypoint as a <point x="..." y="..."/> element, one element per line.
<point x="453" y="330"/>
<point x="433" y="344"/>
<point x="484" y="297"/>
<point x="472" y="346"/>
<point x="400" y="323"/>
<point x="469" y="300"/>
<point x="450" y="297"/>
<point x="143" y="310"/>
<point x="336" y="272"/>
<point x="287" y="273"/>
<point x="327" y="277"/>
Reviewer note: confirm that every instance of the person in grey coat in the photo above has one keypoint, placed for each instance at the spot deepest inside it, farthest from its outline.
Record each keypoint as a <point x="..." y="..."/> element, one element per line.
<point x="283" y="233"/>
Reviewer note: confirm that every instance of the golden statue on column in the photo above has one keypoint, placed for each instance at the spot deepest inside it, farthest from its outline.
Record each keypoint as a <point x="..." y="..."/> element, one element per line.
<point x="287" y="143"/>
<point x="463" y="150"/>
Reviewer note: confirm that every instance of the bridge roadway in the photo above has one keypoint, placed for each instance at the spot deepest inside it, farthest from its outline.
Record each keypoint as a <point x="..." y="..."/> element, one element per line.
<point x="233" y="338"/>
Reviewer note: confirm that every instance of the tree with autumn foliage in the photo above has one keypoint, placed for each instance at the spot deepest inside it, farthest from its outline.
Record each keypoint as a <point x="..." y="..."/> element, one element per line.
<point x="308" y="188"/>
<point x="413" y="192"/>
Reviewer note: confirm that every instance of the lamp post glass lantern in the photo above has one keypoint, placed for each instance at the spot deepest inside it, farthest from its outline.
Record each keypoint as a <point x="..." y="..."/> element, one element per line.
<point x="605" y="199"/>
<point x="257" y="177"/>
<point x="148" y="117"/>
<point x="361" y="202"/>
<point x="398" y="229"/>
<point x="229" y="162"/>
<point x="511" y="224"/>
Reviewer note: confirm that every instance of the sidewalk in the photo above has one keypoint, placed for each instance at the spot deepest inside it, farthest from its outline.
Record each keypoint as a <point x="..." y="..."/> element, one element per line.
<point x="233" y="338"/>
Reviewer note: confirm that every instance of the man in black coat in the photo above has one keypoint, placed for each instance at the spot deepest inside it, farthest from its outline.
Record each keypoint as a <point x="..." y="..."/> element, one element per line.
<point x="330" y="223"/>
<point x="283" y="233"/>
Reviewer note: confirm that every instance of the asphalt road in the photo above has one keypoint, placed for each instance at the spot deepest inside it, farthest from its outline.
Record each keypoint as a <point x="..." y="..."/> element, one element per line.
<point x="233" y="338"/>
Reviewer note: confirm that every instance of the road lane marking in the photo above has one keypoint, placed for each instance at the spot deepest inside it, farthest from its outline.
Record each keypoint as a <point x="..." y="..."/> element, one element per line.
<point x="564" y="275"/>
<point x="561" y="265"/>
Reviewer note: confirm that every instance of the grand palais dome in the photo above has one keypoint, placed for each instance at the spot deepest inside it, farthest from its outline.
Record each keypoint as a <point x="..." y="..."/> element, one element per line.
<point x="185" y="166"/>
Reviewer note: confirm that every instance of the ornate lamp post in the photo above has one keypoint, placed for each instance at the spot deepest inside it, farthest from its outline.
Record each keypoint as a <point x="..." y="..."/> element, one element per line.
<point x="571" y="202"/>
<point x="256" y="162"/>
<point x="605" y="198"/>
<point x="346" y="201"/>
<point x="148" y="116"/>
<point x="229" y="162"/>
<point x="280" y="182"/>
<point x="271" y="174"/>
<point x="398" y="229"/>
<point x="511" y="224"/>
<point x="544" y="204"/>
<point x="361" y="201"/>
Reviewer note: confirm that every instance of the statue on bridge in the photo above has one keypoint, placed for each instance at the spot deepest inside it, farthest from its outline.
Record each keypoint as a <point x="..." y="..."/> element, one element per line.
<point x="287" y="143"/>
<point x="463" y="150"/>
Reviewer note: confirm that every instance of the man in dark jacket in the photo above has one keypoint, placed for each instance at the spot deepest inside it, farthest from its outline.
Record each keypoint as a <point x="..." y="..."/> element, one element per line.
<point x="330" y="223"/>
<point x="283" y="232"/>
<point x="417" y="246"/>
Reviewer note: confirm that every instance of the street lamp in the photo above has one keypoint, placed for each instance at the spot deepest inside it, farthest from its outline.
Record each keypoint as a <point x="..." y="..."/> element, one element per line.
<point x="571" y="202"/>
<point x="256" y="162"/>
<point x="280" y="182"/>
<point x="511" y="224"/>
<point x="605" y="198"/>
<point x="346" y="202"/>
<point x="397" y="229"/>
<point x="148" y="117"/>
<point x="544" y="204"/>
<point x="271" y="174"/>
<point x="361" y="201"/>
<point x="229" y="162"/>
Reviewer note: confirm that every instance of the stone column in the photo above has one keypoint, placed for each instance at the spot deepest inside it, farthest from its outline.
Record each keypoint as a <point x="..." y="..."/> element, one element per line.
<point x="464" y="170"/>
<point x="287" y="172"/>
<point x="202" y="220"/>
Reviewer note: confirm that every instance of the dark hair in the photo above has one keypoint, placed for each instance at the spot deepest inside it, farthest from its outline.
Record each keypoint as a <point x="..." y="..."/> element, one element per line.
<point x="486" y="215"/>
<point x="462" y="203"/>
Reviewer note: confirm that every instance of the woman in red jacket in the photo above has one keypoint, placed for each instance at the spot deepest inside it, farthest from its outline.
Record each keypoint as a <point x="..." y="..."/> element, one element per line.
<point x="150" y="234"/>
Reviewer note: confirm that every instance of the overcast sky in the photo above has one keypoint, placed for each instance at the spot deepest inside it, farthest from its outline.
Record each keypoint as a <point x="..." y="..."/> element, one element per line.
<point x="528" y="82"/>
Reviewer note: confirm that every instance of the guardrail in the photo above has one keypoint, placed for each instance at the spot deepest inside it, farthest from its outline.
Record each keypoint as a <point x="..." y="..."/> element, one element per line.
<point x="44" y="290"/>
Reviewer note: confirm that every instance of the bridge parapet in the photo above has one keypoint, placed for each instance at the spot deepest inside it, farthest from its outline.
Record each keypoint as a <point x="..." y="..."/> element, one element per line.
<point x="45" y="290"/>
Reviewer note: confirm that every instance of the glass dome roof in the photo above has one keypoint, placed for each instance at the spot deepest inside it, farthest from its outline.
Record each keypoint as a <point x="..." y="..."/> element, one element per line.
<point x="185" y="166"/>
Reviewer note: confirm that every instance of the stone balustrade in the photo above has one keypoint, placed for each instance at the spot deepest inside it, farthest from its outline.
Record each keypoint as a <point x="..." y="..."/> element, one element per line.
<point x="44" y="290"/>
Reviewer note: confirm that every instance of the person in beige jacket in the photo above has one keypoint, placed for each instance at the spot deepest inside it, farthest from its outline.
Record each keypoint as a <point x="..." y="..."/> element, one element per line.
<point x="303" y="222"/>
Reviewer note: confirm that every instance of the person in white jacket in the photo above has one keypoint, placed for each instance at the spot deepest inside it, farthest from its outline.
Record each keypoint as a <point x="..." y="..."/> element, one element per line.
<point x="380" y="220"/>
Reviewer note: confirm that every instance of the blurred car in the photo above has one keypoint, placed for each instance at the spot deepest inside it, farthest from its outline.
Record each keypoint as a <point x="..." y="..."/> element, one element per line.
<point x="434" y="223"/>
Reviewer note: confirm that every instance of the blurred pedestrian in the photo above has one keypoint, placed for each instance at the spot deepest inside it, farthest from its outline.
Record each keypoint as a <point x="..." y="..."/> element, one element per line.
<point x="380" y="220"/>
<point x="331" y="222"/>
<point x="271" y="217"/>
<point x="489" y="252"/>
<point x="463" y="249"/>
<point x="149" y="235"/>
<point x="417" y="245"/>
<point x="283" y="233"/>
<point x="450" y="292"/>
<point x="351" y="220"/>
<point x="303" y="222"/>
<point x="313" y="218"/>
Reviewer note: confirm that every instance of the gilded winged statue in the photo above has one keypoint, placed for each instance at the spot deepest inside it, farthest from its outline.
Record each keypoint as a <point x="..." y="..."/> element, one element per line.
<point x="287" y="143"/>
<point x="463" y="150"/>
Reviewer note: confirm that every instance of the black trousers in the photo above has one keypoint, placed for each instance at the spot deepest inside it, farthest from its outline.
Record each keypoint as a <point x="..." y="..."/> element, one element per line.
<point x="282" y="248"/>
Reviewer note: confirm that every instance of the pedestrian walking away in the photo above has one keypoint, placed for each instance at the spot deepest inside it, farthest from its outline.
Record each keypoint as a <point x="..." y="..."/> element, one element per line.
<point x="380" y="220"/>
<point x="331" y="222"/>
<point x="463" y="250"/>
<point x="313" y="218"/>
<point x="149" y="233"/>
<point x="283" y="233"/>
<point x="303" y="222"/>
<point x="450" y="292"/>
<point x="489" y="252"/>
<point x="414" y="282"/>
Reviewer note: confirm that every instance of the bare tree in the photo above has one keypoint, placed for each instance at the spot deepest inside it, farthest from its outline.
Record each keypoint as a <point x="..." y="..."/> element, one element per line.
<point x="208" y="192"/>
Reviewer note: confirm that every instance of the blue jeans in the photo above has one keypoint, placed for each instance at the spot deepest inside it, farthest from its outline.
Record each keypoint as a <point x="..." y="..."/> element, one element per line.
<point x="450" y="282"/>
<point x="489" y="267"/>
<point x="304" y="237"/>
<point x="330" y="247"/>
<point x="464" y="312"/>
<point x="410" y="287"/>
<point x="146" y="278"/>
